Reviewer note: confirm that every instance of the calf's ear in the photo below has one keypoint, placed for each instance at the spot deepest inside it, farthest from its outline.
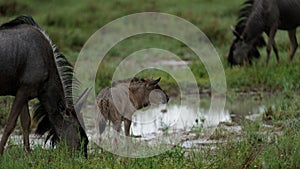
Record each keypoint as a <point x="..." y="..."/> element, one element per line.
<point x="152" y="83"/>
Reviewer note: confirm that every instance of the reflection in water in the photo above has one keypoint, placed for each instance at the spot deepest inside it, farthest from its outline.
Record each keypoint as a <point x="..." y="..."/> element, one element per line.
<point x="155" y="120"/>
<point x="157" y="129"/>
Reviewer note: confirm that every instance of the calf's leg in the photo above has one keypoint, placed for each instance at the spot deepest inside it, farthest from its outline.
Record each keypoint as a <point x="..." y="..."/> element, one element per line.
<point x="116" y="135"/>
<point x="127" y="124"/>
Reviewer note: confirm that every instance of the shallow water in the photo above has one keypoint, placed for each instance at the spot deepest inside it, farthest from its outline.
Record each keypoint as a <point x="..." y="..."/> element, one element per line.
<point x="156" y="120"/>
<point x="178" y="121"/>
<point x="176" y="118"/>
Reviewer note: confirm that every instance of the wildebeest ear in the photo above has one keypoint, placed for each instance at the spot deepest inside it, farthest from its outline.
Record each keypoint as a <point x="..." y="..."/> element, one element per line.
<point x="153" y="83"/>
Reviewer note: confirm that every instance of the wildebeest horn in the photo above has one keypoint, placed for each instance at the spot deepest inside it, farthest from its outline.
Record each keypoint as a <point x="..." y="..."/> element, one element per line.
<point x="235" y="33"/>
<point x="79" y="103"/>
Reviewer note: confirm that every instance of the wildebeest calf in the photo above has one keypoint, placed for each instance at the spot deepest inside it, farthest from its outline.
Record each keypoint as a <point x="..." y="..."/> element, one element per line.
<point x="118" y="102"/>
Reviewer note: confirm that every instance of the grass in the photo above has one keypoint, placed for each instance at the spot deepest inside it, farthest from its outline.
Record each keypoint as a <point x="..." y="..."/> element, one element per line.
<point x="258" y="147"/>
<point x="70" y="23"/>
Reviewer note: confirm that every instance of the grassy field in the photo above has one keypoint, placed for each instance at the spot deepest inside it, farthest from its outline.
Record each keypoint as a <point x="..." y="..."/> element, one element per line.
<point x="70" y="23"/>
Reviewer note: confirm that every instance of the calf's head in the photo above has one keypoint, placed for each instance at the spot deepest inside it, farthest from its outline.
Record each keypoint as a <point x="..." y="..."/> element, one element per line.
<point x="143" y="92"/>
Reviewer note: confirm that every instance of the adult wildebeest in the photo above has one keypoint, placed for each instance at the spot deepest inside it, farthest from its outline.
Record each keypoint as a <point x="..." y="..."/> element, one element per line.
<point x="118" y="102"/>
<point x="32" y="67"/>
<point x="267" y="16"/>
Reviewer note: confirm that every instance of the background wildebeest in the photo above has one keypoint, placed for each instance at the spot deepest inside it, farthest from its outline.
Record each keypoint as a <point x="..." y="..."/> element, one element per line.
<point x="32" y="67"/>
<point x="267" y="16"/>
<point x="123" y="98"/>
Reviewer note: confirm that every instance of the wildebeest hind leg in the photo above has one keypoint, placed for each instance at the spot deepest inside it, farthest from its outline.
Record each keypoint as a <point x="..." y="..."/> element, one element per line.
<point x="25" y="123"/>
<point x="16" y="109"/>
<point x="294" y="43"/>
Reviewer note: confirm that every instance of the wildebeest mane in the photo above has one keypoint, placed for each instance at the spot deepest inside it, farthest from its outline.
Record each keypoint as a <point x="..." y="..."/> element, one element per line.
<point x="244" y="14"/>
<point x="19" y="21"/>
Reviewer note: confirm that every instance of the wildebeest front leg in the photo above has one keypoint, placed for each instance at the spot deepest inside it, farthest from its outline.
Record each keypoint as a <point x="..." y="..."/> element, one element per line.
<point x="271" y="41"/>
<point x="294" y="43"/>
<point x="16" y="109"/>
<point x="25" y="123"/>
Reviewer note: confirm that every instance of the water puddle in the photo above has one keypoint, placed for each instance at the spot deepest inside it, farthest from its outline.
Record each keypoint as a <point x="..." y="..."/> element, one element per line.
<point x="189" y="125"/>
<point x="174" y="118"/>
<point x="172" y="63"/>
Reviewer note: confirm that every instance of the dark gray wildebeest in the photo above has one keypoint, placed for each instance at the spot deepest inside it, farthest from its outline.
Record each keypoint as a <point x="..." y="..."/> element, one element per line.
<point x="32" y="67"/>
<point x="118" y="102"/>
<point x="258" y="16"/>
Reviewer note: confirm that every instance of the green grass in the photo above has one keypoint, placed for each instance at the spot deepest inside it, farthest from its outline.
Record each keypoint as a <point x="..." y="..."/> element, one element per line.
<point x="70" y="26"/>
<point x="70" y="23"/>
<point x="257" y="147"/>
